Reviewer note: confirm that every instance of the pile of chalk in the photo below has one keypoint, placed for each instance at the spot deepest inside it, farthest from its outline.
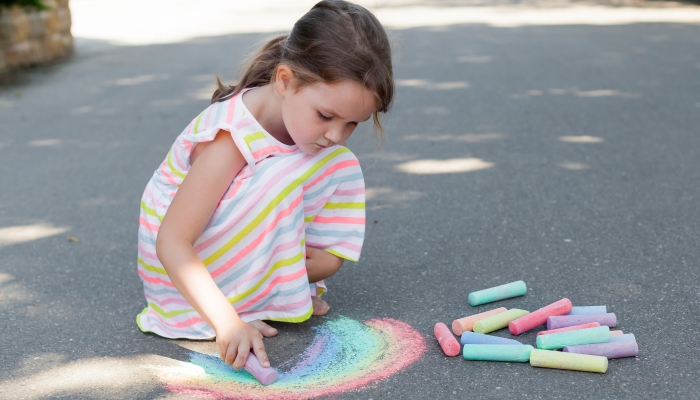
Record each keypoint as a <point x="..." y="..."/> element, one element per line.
<point x="577" y="338"/>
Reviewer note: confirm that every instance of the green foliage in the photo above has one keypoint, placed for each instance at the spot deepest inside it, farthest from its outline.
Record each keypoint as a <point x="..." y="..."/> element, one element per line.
<point x="37" y="4"/>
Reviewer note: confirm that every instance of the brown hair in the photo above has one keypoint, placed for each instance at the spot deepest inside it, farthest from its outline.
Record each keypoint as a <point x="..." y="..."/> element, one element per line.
<point x="333" y="42"/>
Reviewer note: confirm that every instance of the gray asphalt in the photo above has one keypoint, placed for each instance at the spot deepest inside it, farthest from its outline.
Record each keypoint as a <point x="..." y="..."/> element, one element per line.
<point x="613" y="222"/>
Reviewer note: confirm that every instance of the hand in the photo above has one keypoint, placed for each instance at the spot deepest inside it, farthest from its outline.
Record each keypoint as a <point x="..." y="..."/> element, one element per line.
<point x="235" y="341"/>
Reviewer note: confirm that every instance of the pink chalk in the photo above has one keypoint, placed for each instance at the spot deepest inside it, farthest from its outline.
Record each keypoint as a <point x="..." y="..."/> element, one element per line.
<point x="615" y="333"/>
<point x="569" y="328"/>
<point x="449" y="344"/>
<point x="266" y="376"/>
<point x="555" y="322"/>
<point x="466" y="324"/>
<point x="539" y="317"/>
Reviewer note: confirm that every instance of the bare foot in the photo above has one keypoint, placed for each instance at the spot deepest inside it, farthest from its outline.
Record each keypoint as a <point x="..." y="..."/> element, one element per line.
<point x="320" y="306"/>
<point x="263" y="328"/>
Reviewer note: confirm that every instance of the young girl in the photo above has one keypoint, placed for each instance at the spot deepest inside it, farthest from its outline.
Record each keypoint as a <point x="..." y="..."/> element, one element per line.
<point x="258" y="201"/>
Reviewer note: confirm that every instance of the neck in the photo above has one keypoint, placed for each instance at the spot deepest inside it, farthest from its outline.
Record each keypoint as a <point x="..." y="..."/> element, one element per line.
<point x="267" y="110"/>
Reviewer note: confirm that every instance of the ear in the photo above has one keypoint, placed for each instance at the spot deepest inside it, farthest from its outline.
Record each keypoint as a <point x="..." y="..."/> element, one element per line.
<point x="284" y="80"/>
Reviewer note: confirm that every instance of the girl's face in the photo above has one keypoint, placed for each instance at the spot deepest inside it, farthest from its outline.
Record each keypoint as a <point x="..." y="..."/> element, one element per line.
<point x="321" y="115"/>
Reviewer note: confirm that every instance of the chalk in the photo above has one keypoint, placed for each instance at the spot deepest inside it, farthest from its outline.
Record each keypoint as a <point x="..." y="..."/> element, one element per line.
<point x="616" y="333"/>
<point x="563" y="321"/>
<point x="513" y="289"/>
<point x="609" y="350"/>
<point x="570" y="328"/>
<point x="571" y="361"/>
<point x="480" y="338"/>
<point x="266" y="376"/>
<point x="449" y="344"/>
<point x="600" y="334"/>
<point x="539" y="317"/>
<point x="584" y="310"/>
<point x="466" y="324"/>
<point x="498" y="321"/>
<point x="627" y="337"/>
<point x="497" y="352"/>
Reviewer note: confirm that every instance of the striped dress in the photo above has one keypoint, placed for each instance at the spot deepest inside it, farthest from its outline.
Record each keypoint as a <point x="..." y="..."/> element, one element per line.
<point x="254" y="245"/>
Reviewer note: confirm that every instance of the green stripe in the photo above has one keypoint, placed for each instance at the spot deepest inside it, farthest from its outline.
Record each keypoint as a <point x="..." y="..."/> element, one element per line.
<point x="335" y="253"/>
<point x="253" y="137"/>
<point x="150" y="211"/>
<point x="279" y="264"/>
<point x="309" y="219"/>
<point x="271" y="206"/>
<point x="167" y="314"/>
<point x="196" y="124"/>
<point x="295" y="319"/>
<point x="152" y="268"/>
<point x="172" y="168"/>
<point x="358" y="206"/>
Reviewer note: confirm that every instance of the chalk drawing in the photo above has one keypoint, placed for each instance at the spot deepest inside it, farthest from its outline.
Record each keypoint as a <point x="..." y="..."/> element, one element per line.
<point x="345" y="354"/>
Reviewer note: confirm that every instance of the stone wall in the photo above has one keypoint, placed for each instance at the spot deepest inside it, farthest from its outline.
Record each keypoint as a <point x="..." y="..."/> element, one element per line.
<point x="30" y="37"/>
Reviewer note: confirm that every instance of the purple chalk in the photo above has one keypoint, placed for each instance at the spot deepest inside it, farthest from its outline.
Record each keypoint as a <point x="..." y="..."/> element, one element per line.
<point x="609" y="350"/>
<point x="266" y="376"/>
<point x="556" y="322"/>
<point x="583" y="310"/>
<point x="480" y="338"/>
<point x="627" y="337"/>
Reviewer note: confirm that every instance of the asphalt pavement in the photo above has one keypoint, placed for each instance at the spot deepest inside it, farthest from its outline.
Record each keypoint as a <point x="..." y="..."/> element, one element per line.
<point x="570" y="159"/>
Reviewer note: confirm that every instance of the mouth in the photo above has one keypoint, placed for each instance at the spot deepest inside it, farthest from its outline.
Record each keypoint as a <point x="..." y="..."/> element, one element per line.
<point x="321" y="146"/>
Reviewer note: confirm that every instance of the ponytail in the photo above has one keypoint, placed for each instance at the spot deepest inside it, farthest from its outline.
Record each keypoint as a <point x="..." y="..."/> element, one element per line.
<point x="256" y="71"/>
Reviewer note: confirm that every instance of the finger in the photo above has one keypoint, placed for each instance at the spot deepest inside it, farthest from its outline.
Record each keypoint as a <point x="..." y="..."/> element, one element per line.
<point x="222" y="348"/>
<point x="231" y="353"/>
<point x="242" y="357"/>
<point x="259" y="350"/>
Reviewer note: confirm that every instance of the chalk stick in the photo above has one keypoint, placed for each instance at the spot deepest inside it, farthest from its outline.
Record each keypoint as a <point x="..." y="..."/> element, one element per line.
<point x="584" y="310"/>
<point x="569" y="328"/>
<point x="600" y="334"/>
<point x="539" y="317"/>
<point x="513" y="289"/>
<point x="616" y="333"/>
<point x="627" y="337"/>
<point x="498" y="321"/>
<point x="570" y="361"/>
<point x="497" y="352"/>
<point x="609" y="350"/>
<point x="266" y="376"/>
<point x="480" y="338"/>
<point x="449" y="344"/>
<point x="556" y="322"/>
<point x="466" y="324"/>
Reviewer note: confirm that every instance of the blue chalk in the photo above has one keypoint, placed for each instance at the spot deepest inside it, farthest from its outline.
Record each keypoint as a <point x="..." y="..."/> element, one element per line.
<point x="588" y="310"/>
<point x="480" y="338"/>
<point x="626" y="337"/>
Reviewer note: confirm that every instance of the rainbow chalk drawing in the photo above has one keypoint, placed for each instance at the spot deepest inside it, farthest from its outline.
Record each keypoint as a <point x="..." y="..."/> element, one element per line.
<point x="344" y="355"/>
<point x="513" y="289"/>
<point x="466" y="324"/>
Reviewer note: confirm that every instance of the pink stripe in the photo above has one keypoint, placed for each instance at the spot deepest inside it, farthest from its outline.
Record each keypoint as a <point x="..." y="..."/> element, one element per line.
<point x="176" y="300"/>
<point x="350" y="192"/>
<point x="243" y="212"/>
<point x="189" y="127"/>
<point x="179" y="161"/>
<point x="208" y="114"/>
<point x="232" y="191"/>
<point x="188" y="145"/>
<point x="249" y="247"/>
<point x="153" y="199"/>
<point x="338" y="220"/>
<point x="243" y="123"/>
<point x="283" y="307"/>
<point x="332" y="169"/>
<point x="151" y="227"/>
<point x="154" y="280"/>
<point x="183" y="324"/>
<point x="271" y="149"/>
<point x="349" y="246"/>
<point x="231" y="109"/>
<point x="280" y="279"/>
<point x="167" y="175"/>
<point x="317" y="205"/>
<point x="147" y="253"/>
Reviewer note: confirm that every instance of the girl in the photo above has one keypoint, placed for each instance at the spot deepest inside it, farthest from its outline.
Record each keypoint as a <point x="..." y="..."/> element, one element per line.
<point x="258" y="201"/>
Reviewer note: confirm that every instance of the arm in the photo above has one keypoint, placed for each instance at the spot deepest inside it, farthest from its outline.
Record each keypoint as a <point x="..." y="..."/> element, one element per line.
<point x="215" y="164"/>
<point x="321" y="264"/>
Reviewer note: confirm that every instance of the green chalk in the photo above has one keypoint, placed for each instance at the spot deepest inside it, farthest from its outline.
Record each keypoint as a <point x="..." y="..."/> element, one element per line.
<point x="498" y="321"/>
<point x="497" y="352"/>
<point x="517" y="288"/>
<point x="572" y="361"/>
<point x="599" y="334"/>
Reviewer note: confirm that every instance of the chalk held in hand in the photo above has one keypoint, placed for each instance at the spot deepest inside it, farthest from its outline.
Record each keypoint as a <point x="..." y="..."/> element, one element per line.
<point x="513" y="289"/>
<point x="563" y="321"/>
<point x="497" y="352"/>
<point x="466" y="324"/>
<point x="570" y="328"/>
<point x="449" y="344"/>
<point x="608" y="350"/>
<point x="480" y="338"/>
<point x="539" y="317"/>
<point x="571" y="361"/>
<point x="266" y="376"/>
<point x="584" y="310"/>
<point x="600" y="334"/>
<point x="498" y="321"/>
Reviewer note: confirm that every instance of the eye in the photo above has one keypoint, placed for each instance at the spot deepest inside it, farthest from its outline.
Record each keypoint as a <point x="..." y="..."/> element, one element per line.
<point x="323" y="117"/>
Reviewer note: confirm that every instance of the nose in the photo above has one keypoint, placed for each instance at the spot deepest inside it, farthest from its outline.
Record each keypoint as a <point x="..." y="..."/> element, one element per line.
<point x="334" y="135"/>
